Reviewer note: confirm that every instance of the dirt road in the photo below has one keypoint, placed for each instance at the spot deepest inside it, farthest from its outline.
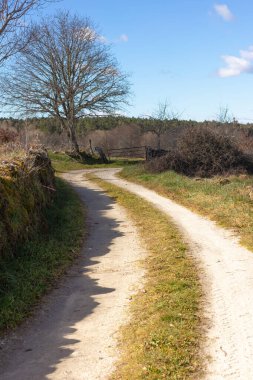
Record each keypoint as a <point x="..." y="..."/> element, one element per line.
<point x="226" y="270"/>
<point x="73" y="335"/>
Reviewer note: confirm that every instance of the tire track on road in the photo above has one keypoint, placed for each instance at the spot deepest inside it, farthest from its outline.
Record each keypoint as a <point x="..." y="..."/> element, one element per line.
<point x="226" y="270"/>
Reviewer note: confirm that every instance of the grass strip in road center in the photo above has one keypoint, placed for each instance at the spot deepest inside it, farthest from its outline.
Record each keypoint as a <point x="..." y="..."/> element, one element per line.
<point x="163" y="338"/>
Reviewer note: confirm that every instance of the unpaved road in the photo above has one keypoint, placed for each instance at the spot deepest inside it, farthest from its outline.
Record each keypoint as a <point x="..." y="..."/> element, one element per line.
<point x="73" y="335"/>
<point x="226" y="271"/>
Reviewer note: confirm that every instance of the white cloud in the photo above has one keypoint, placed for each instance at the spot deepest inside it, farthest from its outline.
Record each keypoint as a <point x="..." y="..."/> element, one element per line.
<point x="123" y="38"/>
<point x="102" y="39"/>
<point x="237" y="65"/>
<point x="247" y="54"/>
<point x="223" y="11"/>
<point x="88" y="33"/>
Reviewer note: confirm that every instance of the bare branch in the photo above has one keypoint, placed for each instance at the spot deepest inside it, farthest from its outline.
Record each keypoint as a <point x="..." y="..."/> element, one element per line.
<point x="66" y="72"/>
<point x="160" y="121"/>
<point x="224" y="115"/>
<point x="14" y="33"/>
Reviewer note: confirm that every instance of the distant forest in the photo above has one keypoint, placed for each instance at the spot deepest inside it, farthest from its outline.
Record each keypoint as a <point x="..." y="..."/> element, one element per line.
<point x="117" y="131"/>
<point x="87" y="124"/>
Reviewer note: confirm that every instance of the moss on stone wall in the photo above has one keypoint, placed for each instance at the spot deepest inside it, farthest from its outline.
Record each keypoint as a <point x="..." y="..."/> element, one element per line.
<point x="26" y="188"/>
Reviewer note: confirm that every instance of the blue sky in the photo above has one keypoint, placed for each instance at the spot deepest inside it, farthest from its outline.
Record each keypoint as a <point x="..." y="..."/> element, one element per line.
<point x="196" y="54"/>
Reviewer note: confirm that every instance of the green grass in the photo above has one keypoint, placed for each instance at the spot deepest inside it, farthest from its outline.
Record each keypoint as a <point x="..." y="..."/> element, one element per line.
<point x="41" y="261"/>
<point x="64" y="163"/>
<point x="229" y="204"/>
<point x="162" y="339"/>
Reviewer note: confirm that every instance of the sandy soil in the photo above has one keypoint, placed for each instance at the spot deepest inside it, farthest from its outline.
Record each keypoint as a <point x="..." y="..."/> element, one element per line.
<point x="73" y="336"/>
<point x="226" y="270"/>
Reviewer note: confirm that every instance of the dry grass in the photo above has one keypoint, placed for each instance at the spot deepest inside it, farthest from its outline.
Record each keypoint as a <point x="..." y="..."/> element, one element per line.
<point x="9" y="152"/>
<point x="162" y="339"/>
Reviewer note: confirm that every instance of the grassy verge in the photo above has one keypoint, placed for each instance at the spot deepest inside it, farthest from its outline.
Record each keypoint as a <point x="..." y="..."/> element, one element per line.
<point x="8" y="154"/>
<point x="42" y="260"/>
<point x="162" y="339"/>
<point x="230" y="203"/>
<point x="64" y="163"/>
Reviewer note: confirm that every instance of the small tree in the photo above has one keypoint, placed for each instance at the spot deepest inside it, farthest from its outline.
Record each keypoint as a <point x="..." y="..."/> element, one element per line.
<point x="14" y="34"/>
<point x="66" y="72"/>
<point x="160" y="121"/>
<point x="224" y="116"/>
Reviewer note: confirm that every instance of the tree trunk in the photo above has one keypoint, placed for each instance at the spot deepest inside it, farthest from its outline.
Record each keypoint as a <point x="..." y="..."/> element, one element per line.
<point x="72" y="137"/>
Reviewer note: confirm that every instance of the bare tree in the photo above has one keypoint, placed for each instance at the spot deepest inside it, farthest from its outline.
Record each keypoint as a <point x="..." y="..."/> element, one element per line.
<point x="67" y="72"/>
<point x="224" y="116"/>
<point x="160" y="121"/>
<point x="14" y="34"/>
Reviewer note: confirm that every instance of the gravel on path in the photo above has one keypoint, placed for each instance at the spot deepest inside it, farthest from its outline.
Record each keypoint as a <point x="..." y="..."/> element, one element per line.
<point x="73" y="335"/>
<point x="226" y="271"/>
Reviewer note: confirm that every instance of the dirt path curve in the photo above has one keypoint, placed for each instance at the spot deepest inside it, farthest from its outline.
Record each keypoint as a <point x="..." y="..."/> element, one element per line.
<point x="227" y="273"/>
<point x="73" y="335"/>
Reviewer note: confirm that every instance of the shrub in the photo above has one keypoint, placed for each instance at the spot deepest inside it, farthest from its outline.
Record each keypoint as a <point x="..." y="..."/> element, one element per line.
<point x="26" y="189"/>
<point x="7" y="136"/>
<point x="202" y="152"/>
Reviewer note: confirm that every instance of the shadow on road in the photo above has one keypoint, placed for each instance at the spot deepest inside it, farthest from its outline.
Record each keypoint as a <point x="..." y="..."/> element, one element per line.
<point x="35" y="349"/>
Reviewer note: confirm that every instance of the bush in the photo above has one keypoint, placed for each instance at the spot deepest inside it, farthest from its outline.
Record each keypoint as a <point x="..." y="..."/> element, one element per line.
<point x="7" y="136"/>
<point x="26" y="189"/>
<point x="202" y="152"/>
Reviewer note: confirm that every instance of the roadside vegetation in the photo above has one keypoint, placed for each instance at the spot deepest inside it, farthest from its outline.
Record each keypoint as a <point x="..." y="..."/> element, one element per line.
<point x="26" y="189"/>
<point x="203" y="152"/>
<point x="208" y="173"/>
<point x="163" y="338"/>
<point x="62" y="162"/>
<point x="24" y="278"/>
<point x="226" y="200"/>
